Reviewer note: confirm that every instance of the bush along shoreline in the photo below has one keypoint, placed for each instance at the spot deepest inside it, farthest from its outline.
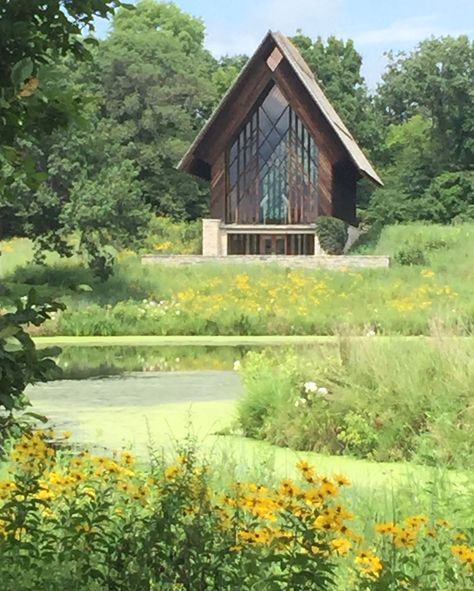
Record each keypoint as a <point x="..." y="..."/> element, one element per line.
<point x="383" y="401"/>
<point x="95" y="523"/>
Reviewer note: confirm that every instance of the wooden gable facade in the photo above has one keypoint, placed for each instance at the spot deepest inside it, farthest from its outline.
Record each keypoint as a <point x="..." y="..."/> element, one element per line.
<point x="277" y="156"/>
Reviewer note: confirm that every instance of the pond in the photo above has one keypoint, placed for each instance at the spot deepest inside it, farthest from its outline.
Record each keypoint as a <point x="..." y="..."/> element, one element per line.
<point x="151" y="398"/>
<point x="88" y="362"/>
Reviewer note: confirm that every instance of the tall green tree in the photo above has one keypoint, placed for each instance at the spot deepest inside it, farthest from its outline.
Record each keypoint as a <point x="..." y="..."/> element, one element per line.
<point x="426" y="100"/>
<point x="436" y="81"/>
<point x="156" y="82"/>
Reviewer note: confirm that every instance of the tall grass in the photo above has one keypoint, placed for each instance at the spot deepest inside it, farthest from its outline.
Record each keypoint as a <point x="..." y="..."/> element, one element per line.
<point x="385" y="401"/>
<point x="252" y="299"/>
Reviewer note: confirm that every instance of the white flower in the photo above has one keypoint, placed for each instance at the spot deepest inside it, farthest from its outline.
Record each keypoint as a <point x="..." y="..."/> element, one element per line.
<point x="370" y="333"/>
<point x="323" y="391"/>
<point x="145" y="301"/>
<point x="303" y="401"/>
<point x="177" y="360"/>
<point x="178" y="312"/>
<point x="297" y="403"/>
<point x="162" y="302"/>
<point x="236" y="365"/>
<point x="310" y="387"/>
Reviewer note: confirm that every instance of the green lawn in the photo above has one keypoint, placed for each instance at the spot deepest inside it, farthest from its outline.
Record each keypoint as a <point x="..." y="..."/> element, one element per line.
<point x="180" y="340"/>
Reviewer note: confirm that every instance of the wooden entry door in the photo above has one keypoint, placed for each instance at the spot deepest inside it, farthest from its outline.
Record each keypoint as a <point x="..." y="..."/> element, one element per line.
<point x="273" y="245"/>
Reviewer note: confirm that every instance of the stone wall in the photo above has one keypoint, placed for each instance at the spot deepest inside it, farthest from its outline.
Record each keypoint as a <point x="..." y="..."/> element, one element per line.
<point x="309" y="262"/>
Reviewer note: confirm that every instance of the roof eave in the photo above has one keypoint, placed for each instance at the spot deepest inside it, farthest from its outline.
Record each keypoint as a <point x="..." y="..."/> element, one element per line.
<point x="187" y="161"/>
<point x="185" y="164"/>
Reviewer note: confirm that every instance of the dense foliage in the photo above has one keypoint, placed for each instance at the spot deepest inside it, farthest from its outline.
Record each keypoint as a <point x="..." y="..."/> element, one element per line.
<point x="96" y="523"/>
<point x="332" y="234"/>
<point x="383" y="401"/>
<point x="21" y="363"/>
<point x="427" y="101"/>
<point x="32" y="37"/>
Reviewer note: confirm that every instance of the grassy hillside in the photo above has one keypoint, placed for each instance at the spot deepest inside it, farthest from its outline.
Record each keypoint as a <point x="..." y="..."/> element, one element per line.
<point x="428" y="289"/>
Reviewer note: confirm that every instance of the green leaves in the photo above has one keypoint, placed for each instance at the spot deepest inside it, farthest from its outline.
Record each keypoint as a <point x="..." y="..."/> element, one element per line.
<point x="20" y="363"/>
<point x="21" y="71"/>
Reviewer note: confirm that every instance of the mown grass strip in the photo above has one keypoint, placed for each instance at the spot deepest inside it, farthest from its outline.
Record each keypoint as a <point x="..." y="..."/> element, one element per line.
<point x="184" y="340"/>
<point x="216" y="341"/>
<point x="211" y="341"/>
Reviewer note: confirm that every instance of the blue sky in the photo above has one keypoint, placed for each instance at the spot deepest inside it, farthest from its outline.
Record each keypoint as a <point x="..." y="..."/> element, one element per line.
<point x="237" y="26"/>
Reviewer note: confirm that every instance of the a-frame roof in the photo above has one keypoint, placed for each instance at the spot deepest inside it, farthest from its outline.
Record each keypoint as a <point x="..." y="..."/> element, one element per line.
<point x="307" y="78"/>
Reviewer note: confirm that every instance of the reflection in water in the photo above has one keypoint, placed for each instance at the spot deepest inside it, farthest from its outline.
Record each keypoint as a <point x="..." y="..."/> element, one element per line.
<point x="80" y="363"/>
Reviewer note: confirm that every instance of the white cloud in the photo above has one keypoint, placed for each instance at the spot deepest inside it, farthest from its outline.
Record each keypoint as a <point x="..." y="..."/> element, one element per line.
<point x="314" y="17"/>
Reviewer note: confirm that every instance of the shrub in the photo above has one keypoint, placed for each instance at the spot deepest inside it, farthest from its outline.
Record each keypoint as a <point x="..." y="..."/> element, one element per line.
<point x="332" y="234"/>
<point x="385" y="401"/>
<point x="411" y="255"/>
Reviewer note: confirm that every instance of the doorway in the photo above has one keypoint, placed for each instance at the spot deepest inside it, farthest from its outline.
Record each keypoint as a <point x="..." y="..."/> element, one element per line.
<point x="273" y="245"/>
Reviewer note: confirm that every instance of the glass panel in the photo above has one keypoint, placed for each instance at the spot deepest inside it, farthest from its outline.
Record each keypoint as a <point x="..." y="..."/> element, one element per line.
<point x="267" y="245"/>
<point x="274" y="104"/>
<point x="284" y="122"/>
<point x="233" y="173"/>
<point x="233" y="151"/>
<point x="275" y="169"/>
<point x="265" y="124"/>
<point x="280" y="245"/>
<point x="266" y="151"/>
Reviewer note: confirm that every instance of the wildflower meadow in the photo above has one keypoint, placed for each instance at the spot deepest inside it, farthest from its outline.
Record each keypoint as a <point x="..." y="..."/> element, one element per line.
<point x="94" y="522"/>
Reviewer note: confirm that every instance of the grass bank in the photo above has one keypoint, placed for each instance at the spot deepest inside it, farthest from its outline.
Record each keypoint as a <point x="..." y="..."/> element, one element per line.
<point x="385" y="400"/>
<point x="421" y="293"/>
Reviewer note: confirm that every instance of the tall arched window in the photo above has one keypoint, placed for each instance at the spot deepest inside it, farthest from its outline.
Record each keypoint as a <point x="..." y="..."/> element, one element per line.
<point x="272" y="167"/>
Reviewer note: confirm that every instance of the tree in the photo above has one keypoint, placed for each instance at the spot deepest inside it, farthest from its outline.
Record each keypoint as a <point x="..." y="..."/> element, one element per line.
<point x="156" y="82"/>
<point x="427" y="103"/>
<point x="337" y="66"/>
<point x="32" y="35"/>
<point x="228" y="68"/>
<point x="436" y="81"/>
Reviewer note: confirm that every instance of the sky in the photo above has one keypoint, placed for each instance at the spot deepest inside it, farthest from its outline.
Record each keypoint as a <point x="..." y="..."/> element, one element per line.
<point x="376" y="26"/>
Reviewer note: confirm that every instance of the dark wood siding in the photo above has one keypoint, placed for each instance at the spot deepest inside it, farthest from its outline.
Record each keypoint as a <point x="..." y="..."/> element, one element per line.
<point x="344" y="191"/>
<point x="218" y="188"/>
<point x="337" y="174"/>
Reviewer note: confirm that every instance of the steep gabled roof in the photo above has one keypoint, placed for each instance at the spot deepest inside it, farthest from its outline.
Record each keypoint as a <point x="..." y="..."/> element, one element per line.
<point x="307" y="78"/>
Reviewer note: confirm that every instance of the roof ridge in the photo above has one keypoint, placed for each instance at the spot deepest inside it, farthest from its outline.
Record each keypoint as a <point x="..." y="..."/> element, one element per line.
<point x="309" y="81"/>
